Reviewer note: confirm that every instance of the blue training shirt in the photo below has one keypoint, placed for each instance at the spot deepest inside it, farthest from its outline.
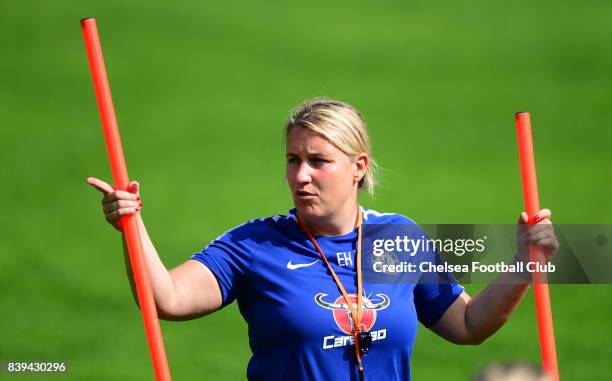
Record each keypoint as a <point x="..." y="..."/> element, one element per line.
<point x="298" y="326"/>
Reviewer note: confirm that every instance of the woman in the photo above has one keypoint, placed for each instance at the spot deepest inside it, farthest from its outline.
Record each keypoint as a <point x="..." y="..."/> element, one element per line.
<point x="297" y="277"/>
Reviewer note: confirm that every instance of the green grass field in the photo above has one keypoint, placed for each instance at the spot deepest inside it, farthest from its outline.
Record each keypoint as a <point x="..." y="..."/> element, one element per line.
<point x="201" y="92"/>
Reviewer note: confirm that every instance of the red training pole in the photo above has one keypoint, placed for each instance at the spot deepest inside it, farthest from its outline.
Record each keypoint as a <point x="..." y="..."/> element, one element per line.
<point x="121" y="179"/>
<point x="540" y="284"/>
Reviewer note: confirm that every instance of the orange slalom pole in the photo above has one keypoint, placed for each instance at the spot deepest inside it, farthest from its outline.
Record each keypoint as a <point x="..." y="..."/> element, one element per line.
<point x="540" y="284"/>
<point x="121" y="180"/>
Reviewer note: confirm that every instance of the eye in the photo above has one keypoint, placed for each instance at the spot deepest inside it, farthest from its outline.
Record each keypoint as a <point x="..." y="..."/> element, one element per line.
<point x="317" y="161"/>
<point x="292" y="160"/>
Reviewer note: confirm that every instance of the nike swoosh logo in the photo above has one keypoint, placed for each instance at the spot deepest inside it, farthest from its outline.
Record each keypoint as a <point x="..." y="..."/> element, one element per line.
<point x="292" y="266"/>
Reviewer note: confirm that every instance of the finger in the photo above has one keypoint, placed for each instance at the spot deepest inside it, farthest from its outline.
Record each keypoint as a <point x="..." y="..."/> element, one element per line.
<point x="117" y="214"/>
<point x="120" y="204"/>
<point x="540" y="227"/>
<point x="100" y="185"/>
<point x="548" y="244"/>
<point x="545" y="221"/>
<point x="134" y="187"/>
<point x="545" y="234"/>
<point x="120" y="195"/>
<point x="542" y="214"/>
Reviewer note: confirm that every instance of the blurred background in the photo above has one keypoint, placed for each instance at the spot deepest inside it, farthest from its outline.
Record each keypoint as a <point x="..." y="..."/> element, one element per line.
<point x="201" y="91"/>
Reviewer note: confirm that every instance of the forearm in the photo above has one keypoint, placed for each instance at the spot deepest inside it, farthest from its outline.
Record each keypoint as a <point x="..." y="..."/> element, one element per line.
<point x="159" y="277"/>
<point x="488" y="310"/>
<point x="470" y="320"/>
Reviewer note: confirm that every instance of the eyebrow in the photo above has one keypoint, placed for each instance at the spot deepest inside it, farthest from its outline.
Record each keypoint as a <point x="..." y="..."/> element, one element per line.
<point x="314" y="154"/>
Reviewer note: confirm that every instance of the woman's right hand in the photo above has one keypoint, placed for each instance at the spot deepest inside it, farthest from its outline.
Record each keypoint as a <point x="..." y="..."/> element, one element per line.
<point x="117" y="203"/>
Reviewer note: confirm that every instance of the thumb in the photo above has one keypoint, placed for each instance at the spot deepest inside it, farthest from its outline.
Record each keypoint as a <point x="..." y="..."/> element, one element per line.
<point x="523" y="218"/>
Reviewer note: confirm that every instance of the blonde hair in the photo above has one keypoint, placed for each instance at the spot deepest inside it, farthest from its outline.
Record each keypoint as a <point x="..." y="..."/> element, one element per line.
<point x="342" y="125"/>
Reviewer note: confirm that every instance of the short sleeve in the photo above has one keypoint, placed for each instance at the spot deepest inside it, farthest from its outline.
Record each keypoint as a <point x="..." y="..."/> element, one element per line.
<point x="229" y="259"/>
<point x="432" y="300"/>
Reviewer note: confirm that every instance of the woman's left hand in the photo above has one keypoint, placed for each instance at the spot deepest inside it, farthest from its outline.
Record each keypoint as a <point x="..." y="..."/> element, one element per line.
<point x="539" y="234"/>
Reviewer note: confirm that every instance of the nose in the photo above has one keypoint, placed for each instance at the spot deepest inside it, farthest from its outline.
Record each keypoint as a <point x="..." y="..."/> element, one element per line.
<point x="303" y="175"/>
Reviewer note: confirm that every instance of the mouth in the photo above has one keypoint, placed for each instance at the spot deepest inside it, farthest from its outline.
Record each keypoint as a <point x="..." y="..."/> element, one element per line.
<point x="304" y="195"/>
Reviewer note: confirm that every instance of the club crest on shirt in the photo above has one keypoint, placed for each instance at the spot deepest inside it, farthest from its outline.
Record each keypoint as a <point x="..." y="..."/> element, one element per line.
<point x="387" y="258"/>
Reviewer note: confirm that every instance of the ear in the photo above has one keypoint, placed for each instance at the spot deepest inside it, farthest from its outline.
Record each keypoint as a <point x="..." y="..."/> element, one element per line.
<point x="360" y="166"/>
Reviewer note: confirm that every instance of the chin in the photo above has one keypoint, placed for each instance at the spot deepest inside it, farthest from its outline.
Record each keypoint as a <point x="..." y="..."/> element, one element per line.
<point x="308" y="210"/>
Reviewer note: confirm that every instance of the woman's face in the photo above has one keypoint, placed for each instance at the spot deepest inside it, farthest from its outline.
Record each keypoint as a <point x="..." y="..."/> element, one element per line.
<point x="322" y="178"/>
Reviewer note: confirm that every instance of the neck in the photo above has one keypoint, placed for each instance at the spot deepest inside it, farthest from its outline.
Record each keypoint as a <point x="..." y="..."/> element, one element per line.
<point x="340" y="223"/>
